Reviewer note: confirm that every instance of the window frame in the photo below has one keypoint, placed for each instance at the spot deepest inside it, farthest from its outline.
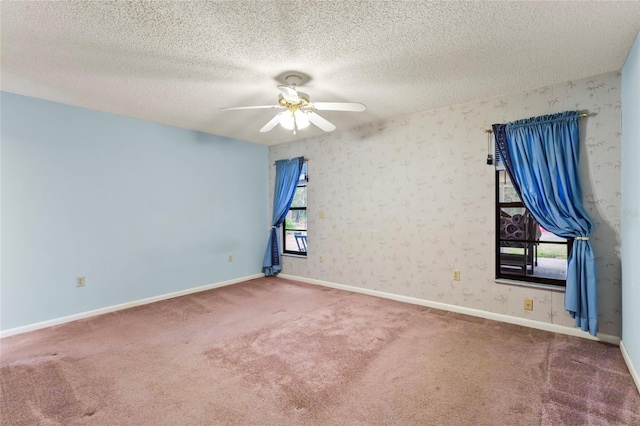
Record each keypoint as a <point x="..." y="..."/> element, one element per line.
<point x="301" y="183"/>
<point x="518" y="277"/>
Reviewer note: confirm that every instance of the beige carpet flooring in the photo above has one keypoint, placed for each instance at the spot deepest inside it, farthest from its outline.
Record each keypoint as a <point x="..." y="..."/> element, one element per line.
<point x="276" y="352"/>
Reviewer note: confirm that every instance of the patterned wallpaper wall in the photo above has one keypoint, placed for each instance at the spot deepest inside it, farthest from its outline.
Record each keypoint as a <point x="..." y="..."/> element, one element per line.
<point x="408" y="200"/>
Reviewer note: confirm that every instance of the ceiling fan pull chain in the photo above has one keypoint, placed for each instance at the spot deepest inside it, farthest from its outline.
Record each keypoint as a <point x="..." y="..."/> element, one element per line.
<point x="295" y="123"/>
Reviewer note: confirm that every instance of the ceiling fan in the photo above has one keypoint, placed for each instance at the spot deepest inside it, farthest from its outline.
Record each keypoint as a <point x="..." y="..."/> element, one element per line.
<point x="299" y="112"/>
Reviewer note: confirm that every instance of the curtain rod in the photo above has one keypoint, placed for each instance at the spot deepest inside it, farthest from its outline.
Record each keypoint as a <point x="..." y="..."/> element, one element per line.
<point x="582" y="115"/>
<point x="304" y="158"/>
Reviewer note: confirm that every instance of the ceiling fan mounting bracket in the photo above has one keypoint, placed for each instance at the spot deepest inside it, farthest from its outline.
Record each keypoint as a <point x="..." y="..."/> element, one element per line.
<point x="293" y="80"/>
<point x="290" y="76"/>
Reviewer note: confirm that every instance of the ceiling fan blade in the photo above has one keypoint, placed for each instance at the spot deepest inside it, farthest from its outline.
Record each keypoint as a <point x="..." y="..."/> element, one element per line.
<point x="289" y="94"/>
<point x="320" y="122"/>
<point x="271" y="124"/>
<point x="253" y="107"/>
<point x="339" y="106"/>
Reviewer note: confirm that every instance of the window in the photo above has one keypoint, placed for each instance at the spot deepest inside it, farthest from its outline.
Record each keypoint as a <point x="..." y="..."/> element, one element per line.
<point x="525" y="251"/>
<point x="295" y="224"/>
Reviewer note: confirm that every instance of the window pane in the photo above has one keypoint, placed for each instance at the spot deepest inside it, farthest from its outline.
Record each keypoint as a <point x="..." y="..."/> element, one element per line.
<point x="296" y="220"/>
<point x="517" y="224"/>
<point x="295" y="225"/>
<point x="506" y="192"/>
<point x="296" y="241"/>
<point x="534" y="258"/>
<point x="300" y="197"/>
<point x="548" y="236"/>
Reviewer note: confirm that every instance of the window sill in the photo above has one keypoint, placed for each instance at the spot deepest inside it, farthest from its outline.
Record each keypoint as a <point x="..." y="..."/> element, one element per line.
<point x="530" y="284"/>
<point x="301" y="256"/>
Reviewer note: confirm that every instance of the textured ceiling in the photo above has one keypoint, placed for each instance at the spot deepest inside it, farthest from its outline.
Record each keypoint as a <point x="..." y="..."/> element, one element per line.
<point x="179" y="62"/>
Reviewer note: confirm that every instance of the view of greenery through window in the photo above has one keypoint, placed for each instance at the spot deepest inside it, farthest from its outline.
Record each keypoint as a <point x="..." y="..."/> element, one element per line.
<point x="295" y="224"/>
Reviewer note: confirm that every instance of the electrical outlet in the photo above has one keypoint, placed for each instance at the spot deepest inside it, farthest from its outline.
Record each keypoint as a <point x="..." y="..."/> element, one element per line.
<point x="230" y="258"/>
<point x="80" y="281"/>
<point x="456" y="275"/>
<point x="321" y="214"/>
<point x="528" y="304"/>
<point x="321" y="259"/>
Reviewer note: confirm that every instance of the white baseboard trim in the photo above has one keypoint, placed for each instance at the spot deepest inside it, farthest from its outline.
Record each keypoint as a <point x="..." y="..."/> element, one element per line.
<point x="127" y="305"/>
<point x="632" y="369"/>
<point x="462" y="310"/>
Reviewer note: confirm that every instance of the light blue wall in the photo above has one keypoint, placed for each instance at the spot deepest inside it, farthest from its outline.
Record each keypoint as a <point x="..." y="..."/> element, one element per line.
<point x="630" y="212"/>
<point x="140" y="209"/>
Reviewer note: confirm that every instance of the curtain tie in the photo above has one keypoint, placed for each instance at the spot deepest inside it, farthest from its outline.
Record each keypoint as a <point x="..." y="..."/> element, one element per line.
<point x="581" y="238"/>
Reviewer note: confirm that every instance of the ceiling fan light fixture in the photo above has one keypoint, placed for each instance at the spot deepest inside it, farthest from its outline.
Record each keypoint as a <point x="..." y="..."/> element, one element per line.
<point x="301" y="119"/>
<point x="286" y="120"/>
